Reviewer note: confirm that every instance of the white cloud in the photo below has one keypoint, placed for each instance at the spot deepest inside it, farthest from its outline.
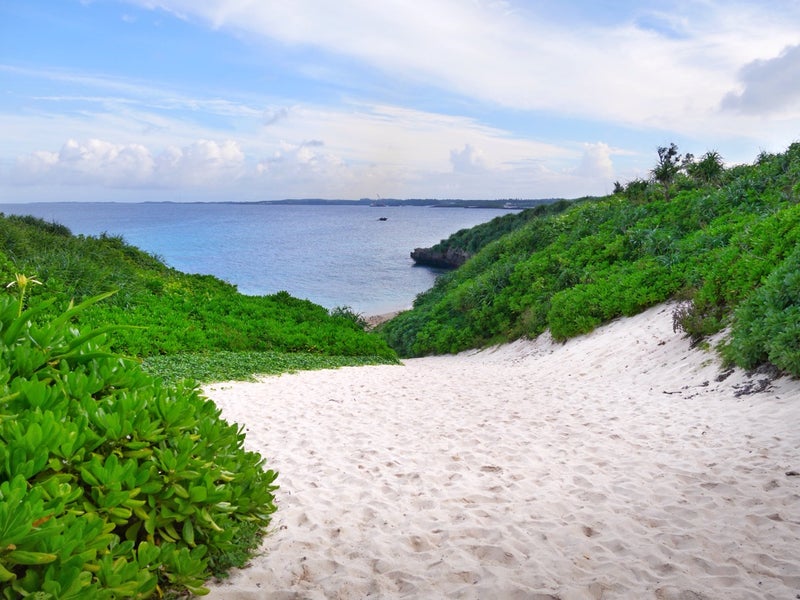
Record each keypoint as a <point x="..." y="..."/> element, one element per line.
<point x="222" y="169"/>
<point x="355" y="151"/>
<point x="93" y="162"/>
<point x="596" y="162"/>
<point x="467" y="160"/>
<point x="105" y="164"/>
<point x="204" y="162"/>
<point x="300" y="159"/>
<point x="349" y="151"/>
<point x="654" y="69"/>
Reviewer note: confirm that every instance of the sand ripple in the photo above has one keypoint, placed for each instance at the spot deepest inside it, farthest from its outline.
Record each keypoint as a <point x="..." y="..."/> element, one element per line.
<point x="617" y="465"/>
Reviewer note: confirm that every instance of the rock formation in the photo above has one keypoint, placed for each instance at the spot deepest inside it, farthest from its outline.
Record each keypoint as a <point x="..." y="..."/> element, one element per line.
<point x="449" y="258"/>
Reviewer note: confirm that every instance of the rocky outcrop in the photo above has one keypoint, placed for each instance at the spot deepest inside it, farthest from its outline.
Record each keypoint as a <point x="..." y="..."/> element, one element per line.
<point x="450" y="258"/>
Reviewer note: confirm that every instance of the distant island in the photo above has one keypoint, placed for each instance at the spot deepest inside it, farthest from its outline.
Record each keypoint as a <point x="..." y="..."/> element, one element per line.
<point x="508" y="203"/>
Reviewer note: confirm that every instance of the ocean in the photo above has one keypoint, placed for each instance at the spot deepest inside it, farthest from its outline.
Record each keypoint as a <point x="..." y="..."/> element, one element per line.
<point x="333" y="255"/>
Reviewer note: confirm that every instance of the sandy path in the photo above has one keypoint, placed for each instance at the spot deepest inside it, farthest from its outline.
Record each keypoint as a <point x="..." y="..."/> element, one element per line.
<point x="616" y="465"/>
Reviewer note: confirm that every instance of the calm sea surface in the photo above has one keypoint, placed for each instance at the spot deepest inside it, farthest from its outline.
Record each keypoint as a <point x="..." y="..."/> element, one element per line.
<point x="332" y="255"/>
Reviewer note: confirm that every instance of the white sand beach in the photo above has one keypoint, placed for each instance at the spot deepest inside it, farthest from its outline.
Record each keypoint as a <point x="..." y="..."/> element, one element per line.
<point x="620" y="465"/>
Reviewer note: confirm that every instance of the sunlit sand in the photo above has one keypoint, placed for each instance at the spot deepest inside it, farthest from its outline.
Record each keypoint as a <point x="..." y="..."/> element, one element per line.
<point x="622" y="464"/>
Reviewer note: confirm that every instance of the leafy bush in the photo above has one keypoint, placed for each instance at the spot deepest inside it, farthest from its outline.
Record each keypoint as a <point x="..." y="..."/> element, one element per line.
<point x="475" y="238"/>
<point x="625" y="290"/>
<point x="113" y="484"/>
<point x="349" y="317"/>
<point x="766" y="327"/>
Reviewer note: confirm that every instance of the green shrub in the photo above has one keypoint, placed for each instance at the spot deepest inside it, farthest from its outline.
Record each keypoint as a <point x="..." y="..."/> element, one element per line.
<point x="475" y="238"/>
<point x="348" y="317"/>
<point x="621" y="291"/>
<point x="113" y="484"/>
<point x="766" y="327"/>
<point x="717" y="244"/>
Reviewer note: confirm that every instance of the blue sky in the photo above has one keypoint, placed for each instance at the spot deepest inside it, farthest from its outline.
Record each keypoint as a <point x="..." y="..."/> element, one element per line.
<point x="183" y="100"/>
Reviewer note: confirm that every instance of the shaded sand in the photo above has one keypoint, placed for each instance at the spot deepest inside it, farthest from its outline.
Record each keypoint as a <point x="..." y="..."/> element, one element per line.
<point x="375" y="320"/>
<point x="621" y="464"/>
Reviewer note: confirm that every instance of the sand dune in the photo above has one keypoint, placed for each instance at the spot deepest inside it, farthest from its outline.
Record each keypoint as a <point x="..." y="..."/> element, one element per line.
<point x="622" y="464"/>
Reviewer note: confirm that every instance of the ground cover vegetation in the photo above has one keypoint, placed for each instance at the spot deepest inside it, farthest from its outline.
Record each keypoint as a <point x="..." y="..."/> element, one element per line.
<point x="113" y="484"/>
<point x="722" y="242"/>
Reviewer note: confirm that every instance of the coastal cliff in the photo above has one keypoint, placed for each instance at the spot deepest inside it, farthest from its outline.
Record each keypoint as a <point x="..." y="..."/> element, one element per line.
<point x="449" y="258"/>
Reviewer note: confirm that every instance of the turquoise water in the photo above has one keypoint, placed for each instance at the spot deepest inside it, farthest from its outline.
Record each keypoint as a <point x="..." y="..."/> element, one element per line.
<point x="332" y="255"/>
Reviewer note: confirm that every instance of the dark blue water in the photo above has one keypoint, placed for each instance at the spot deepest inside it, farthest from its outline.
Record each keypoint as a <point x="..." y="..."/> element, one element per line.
<point x="332" y="255"/>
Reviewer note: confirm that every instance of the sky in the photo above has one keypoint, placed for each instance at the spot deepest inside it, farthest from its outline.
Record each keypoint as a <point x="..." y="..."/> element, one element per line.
<point x="251" y="100"/>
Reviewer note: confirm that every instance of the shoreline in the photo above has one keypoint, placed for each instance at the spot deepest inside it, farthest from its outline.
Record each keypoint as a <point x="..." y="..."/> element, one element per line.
<point x="620" y="464"/>
<point x="374" y="320"/>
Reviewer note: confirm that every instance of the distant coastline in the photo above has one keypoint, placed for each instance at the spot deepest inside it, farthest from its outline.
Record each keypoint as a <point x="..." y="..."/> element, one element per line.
<point x="506" y="204"/>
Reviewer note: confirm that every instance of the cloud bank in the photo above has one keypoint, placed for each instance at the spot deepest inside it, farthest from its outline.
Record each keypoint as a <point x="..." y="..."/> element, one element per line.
<point x="487" y="98"/>
<point x="102" y="163"/>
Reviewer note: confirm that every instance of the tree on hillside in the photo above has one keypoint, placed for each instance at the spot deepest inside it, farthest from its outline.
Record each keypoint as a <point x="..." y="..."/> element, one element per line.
<point x="668" y="166"/>
<point x="708" y="169"/>
<point x="636" y="190"/>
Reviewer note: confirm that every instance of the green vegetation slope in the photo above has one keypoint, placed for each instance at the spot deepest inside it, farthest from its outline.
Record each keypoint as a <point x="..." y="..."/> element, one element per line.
<point x="724" y="242"/>
<point x="472" y="239"/>
<point x="173" y="313"/>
